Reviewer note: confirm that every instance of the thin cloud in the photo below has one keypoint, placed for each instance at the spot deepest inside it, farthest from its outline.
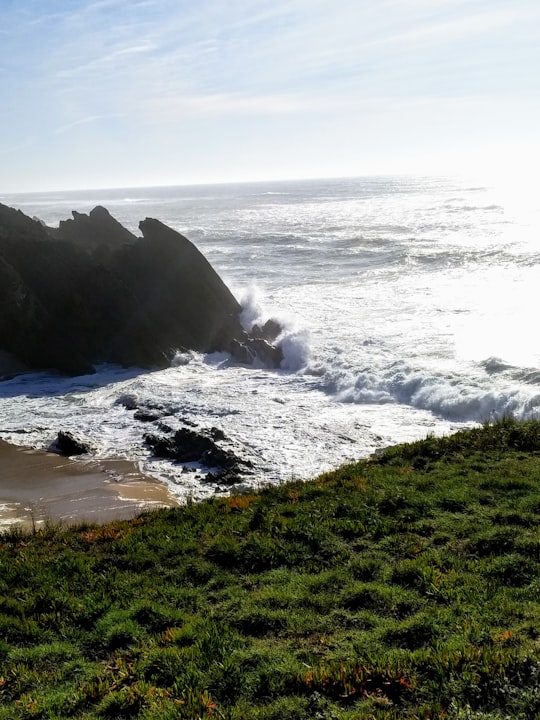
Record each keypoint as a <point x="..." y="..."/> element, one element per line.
<point x="174" y="108"/>
<point x="451" y="30"/>
<point x="104" y="4"/>
<point x="82" y="121"/>
<point x="134" y="50"/>
<point x="102" y="60"/>
<point x="351" y="72"/>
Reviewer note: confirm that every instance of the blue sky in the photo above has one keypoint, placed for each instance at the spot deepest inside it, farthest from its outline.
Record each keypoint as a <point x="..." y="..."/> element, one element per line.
<point x="118" y="93"/>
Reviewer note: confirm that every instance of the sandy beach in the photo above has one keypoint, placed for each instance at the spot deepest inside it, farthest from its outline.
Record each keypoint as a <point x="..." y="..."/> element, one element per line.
<point x="37" y="486"/>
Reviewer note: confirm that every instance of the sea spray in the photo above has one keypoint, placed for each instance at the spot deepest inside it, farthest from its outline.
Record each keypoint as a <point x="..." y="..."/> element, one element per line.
<point x="394" y="295"/>
<point x="292" y="339"/>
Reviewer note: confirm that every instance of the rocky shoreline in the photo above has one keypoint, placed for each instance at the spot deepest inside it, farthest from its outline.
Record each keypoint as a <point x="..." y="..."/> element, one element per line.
<point x="91" y="292"/>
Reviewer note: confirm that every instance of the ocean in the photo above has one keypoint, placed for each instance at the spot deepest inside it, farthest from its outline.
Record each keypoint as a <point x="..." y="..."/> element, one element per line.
<point x="409" y="306"/>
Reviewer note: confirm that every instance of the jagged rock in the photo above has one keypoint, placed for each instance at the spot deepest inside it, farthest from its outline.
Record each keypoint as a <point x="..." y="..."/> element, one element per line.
<point x="251" y="350"/>
<point x="91" y="292"/>
<point x="96" y="231"/>
<point x="145" y="412"/>
<point x="216" y="433"/>
<point x="68" y="444"/>
<point x="164" y="427"/>
<point x="144" y="415"/>
<point x="189" y="446"/>
<point x="258" y="346"/>
<point x="127" y="401"/>
<point x="270" y="331"/>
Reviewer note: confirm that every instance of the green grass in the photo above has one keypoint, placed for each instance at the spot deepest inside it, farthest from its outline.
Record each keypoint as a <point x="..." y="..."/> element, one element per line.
<point x="404" y="586"/>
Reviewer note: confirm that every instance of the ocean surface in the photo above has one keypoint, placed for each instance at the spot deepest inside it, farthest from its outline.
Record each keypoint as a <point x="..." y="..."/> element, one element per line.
<point x="410" y="307"/>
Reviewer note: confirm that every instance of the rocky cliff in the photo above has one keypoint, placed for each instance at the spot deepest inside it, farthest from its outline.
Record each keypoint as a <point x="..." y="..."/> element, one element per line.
<point x="90" y="291"/>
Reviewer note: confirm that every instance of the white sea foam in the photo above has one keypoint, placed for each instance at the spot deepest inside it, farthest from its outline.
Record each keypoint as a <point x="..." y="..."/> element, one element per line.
<point x="293" y="339"/>
<point x="452" y="397"/>
<point x="395" y="297"/>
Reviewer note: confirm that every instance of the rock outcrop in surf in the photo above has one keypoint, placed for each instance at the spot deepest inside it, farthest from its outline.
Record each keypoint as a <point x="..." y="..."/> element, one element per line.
<point x="90" y="292"/>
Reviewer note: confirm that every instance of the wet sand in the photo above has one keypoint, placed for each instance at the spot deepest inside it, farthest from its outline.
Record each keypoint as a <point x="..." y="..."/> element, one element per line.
<point x="36" y="487"/>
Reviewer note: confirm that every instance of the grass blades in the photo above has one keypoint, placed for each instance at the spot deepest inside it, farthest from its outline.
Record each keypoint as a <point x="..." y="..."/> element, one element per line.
<point x="403" y="586"/>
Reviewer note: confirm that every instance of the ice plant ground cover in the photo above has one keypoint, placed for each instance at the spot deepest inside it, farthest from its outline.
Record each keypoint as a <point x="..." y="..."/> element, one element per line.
<point x="403" y="586"/>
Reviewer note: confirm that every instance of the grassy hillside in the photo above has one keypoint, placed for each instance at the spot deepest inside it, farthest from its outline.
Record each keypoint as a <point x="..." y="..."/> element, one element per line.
<point x="406" y="586"/>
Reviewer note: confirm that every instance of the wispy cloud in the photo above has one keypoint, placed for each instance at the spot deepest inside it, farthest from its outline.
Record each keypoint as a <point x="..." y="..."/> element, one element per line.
<point x="101" y="61"/>
<point x="318" y="68"/>
<point x="450" y="30"/>
<point x="171" y="109"/>
<point x="82" y="121"/>
<point x="259" y="57"/>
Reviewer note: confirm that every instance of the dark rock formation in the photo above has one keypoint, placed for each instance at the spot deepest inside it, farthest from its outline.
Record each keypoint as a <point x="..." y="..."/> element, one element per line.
<point x="269" y="331"/>
<point x="252" y="350"/>
<point x="190" y="446"/>
<point x="148" y="416"/>
<point x="96" y="232"/>
<point x="259" y="346"/>
<point x="68" y="444"/>
<point x="9" y="366"/>
<point x="90" y="292"/>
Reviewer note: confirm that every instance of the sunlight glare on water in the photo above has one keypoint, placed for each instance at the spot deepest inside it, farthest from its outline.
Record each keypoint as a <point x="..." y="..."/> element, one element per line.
<point x="409" y="306"/>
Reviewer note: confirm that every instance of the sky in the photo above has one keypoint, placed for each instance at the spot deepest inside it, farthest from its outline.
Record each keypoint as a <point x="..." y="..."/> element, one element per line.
<point x="127" y="93"/>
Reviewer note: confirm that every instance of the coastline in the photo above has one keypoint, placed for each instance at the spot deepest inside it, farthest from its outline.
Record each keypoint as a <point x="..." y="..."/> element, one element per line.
<point x="38" y="487"/>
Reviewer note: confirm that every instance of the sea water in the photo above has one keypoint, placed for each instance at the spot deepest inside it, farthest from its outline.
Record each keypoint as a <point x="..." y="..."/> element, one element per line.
<point x="409" y="307"/>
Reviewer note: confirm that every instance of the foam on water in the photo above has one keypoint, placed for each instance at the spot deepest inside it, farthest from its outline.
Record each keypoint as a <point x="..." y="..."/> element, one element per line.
<point x="445" y="395"/>
<point x="280" y="421"/>
<point x="408" y="307"/>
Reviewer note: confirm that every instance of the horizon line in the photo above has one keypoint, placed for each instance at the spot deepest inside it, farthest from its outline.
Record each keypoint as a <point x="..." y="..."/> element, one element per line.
<point x="204" y="183"/>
